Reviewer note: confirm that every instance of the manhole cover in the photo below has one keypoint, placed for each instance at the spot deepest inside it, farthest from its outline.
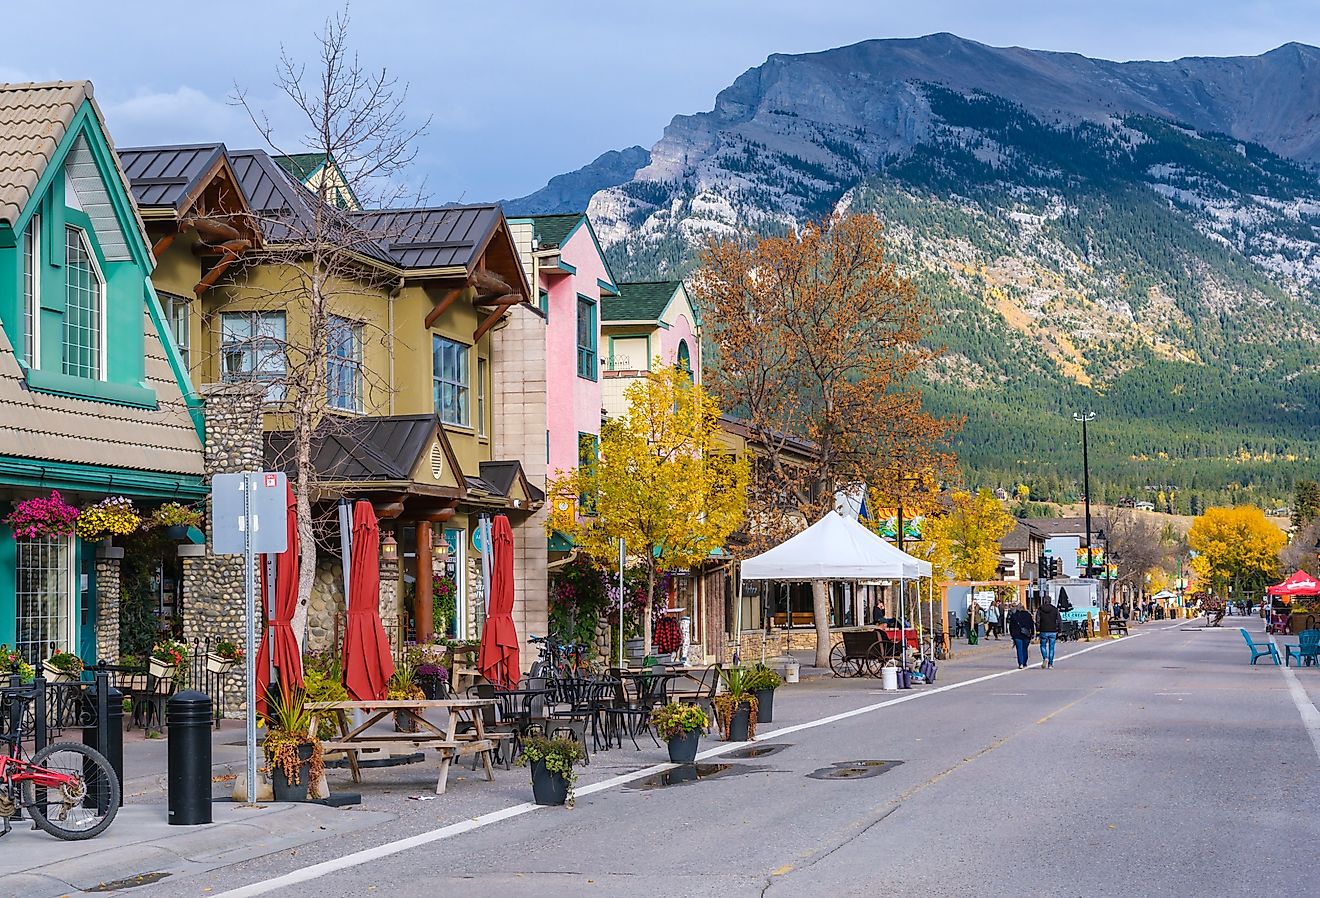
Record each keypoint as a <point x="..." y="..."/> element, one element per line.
<point x="142" y="879"/>
<point x="853" y="770"/>
<point x="757" y="751"/>
<point x="690" y="773"/>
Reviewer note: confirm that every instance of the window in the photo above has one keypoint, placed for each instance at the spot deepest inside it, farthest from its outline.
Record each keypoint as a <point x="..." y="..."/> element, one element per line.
<point x="685" y="359"/>
<point x="177" y="316"/>
<point x="588" y="453"/>
<point x="82" y="309"/>
<point x="31" y="288"/>
<point x="543" y="296"/>
<point x="252" y="349"/>
<point x="43" y="593"/>
<point x="586" y="337"/>
<point x="481" y="397"/>
<point x="449" y="367"/>
<point x="343" y="384"/>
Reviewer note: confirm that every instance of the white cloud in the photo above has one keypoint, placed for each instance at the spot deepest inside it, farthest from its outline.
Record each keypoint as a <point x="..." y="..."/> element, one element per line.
<point x="182" y="115"/>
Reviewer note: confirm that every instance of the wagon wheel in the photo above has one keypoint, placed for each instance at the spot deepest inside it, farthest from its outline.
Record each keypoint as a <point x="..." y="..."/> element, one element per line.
<point x="875" y="660"/>
<point x="842" y="665"/>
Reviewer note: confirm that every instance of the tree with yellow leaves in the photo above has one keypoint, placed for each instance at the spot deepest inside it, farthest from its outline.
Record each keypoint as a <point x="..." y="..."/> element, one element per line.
<point x="964" y="541"/>
<point x="664" y="483"/>
<point x="1235" y="547"/>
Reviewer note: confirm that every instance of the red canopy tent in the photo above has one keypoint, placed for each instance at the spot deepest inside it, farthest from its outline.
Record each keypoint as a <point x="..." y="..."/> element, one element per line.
<point x="368" y="663"/>
<point x="1299" y="583"/>
<point x="498" y="660"/>
<point x="288" y="659"/>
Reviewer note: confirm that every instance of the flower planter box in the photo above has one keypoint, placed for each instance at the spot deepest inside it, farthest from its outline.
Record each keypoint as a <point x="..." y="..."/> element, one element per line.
<point x="55" y="675"/>
<point x="217" y="664"/>
<point x="161" y="669"/>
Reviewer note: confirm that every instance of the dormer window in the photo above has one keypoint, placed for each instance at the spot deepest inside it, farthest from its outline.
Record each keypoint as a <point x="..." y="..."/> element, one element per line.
<point x="83" y="309"/>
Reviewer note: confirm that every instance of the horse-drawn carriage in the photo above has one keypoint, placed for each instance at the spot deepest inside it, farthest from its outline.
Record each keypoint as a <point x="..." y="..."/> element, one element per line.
<point x="863" y="652"/>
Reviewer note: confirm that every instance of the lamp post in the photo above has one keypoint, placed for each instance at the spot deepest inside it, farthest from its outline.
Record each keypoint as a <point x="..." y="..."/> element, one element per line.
<point x="1084" y="419"/>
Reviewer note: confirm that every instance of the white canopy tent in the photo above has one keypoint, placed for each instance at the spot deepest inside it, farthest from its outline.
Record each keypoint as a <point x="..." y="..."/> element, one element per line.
<point x="835" y="548"/>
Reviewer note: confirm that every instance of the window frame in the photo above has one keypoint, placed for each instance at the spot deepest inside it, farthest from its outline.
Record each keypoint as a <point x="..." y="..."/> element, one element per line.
<point x="170" y="303"/>
<point x="352" y="365"/>
<point x="94" y="269"/>
<point x="483" y="371"/>
<point x="32" y="293"/>
<point x="462" y="388"/>
<point x="275" y="390"/>
<point x="588" y="355"/>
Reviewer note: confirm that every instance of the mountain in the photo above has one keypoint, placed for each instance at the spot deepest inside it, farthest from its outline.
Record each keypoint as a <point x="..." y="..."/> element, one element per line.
<point x="1138" y="238"/>
<point x="572" y="192"/>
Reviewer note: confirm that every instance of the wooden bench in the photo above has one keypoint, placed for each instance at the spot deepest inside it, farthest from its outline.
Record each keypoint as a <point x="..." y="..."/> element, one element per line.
<point x="1118" y="625"/>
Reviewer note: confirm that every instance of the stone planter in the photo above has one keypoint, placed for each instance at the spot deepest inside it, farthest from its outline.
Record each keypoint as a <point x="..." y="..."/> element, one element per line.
<point x="218" y="665"/>
<point x="683" y="747"/>
<point x="548" y="788"/>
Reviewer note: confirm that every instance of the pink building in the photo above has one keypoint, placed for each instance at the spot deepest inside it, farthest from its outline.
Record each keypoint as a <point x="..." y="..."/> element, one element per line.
<point x="647" y="323"/>
<point x="564" y="261"/>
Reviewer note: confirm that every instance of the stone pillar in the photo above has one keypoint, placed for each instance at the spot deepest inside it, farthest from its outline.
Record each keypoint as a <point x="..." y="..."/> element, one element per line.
<point x="213" y="585"/>
<point x="390" y="613"/>
<point x="107" y="604"/>
<point x="519" y="431"/>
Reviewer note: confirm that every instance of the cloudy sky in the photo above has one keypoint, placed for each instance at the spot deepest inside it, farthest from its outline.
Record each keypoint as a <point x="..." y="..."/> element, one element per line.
<point x="520" y="91"/>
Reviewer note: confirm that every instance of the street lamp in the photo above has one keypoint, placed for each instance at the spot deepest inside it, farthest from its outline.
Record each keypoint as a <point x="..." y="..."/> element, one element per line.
<point x="1084" y="419"/>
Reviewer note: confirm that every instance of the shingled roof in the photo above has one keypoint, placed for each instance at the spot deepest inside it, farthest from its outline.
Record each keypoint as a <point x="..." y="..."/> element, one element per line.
<point x="553" y="230"/>
<point x="639" y="301"/>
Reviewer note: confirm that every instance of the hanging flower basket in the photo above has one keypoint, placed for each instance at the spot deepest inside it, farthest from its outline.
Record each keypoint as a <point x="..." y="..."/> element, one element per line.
<point x="225" y="656"/>
<point x="112" y="516"/>
<point x="166" y="656"/>
<point x="161" y="670"/>
<point x="43" y="517"/>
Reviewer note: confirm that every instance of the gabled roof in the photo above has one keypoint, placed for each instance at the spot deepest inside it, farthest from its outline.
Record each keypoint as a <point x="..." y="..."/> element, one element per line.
<point x="301" y="165"/>
<point x="506" y="476"/>
<point x="553" y="230"/>
<point x="170" y="176"/>
<point x="379" y="449"/>
<point x="1019" y="539"/>
<point x="639" y="301"/>
<point x="444" y="237"/>
<point x="34" y="118"/>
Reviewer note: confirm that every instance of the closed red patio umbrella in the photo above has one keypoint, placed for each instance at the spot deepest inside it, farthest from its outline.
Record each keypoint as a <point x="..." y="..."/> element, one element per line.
<point x="498" y="661"/>
<point x="288" y="659"/>
<point x="368" y="663"/>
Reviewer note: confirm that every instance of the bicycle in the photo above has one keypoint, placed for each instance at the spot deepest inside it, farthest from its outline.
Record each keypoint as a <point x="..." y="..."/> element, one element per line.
<point x="562" y="659"/>
<point x="68" y="789"/>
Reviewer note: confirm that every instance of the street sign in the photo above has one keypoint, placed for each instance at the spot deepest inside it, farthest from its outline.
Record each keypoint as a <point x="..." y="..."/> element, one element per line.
<point x="267" y="508"/>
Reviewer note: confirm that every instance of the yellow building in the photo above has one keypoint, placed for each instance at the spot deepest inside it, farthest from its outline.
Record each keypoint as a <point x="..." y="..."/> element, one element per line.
<point x="410" y="335"/>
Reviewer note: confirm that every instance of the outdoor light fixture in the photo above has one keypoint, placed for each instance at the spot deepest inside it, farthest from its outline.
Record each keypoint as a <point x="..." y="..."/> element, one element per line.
<point x="389" y="547"/>
<point x="441" y="549"/>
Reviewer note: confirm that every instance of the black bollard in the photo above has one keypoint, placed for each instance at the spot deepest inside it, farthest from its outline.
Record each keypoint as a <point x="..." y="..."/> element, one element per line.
<point x="188" y="723"/>
<point x="103" y="704"/>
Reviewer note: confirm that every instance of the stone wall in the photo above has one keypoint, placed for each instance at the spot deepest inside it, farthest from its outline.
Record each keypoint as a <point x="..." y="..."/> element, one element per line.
<point x="779" y="642"/>
<point x="326" y="603"/>
<point x="213" y="585"/>
<point x="108" y="590"/>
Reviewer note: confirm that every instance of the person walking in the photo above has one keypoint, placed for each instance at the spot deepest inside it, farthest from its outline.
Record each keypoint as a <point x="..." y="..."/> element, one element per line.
<point x="1021" y="628"/>
<point x="992" y="619"/>
<point x="1047" y="625"/>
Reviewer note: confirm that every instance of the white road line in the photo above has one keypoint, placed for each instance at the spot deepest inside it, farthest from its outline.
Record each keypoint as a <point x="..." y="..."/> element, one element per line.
<point x="367" y="855"/>
<point x="1305" y="707"/>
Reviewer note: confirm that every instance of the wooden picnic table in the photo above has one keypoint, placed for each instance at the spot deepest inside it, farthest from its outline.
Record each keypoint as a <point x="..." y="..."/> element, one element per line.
<point x="449" y="742"/>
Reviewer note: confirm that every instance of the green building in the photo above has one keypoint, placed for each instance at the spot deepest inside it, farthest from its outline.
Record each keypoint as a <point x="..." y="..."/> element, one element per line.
<point x="93" y="399"/>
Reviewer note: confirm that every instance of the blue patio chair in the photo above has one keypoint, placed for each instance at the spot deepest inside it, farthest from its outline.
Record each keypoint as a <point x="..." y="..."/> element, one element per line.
<point x="1259" y="650"/>
<point x="1307" y="650"/>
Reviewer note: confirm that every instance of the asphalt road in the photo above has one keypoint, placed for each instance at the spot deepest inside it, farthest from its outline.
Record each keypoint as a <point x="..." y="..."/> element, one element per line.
<point x="1160" y="764"/>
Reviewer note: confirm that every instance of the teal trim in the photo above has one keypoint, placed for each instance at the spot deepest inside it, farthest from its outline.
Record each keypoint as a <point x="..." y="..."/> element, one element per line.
<point x="607" y="286"/>
<point x="61" y="384"/>
<point x="563" y="241"/>
<point x="7" y="238"/>
<point x="564" y="266"/>
<point x="600" y="252"/>
<point x="166" y="337"/>
<point x="84" y="603"/>
<point x="588" y="354"/>
<point x="57" y="475"/>
<point x="196" y="537"/>
<point x="559" y="542"/>
<point x="8" y="563"/>
<point x="649" y="355"/>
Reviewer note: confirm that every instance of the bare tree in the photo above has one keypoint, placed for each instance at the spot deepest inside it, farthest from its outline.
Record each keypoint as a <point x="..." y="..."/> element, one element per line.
<point x="1136" y="546"/>
<point x="354" y="118"/>
<point x="1303" y="550"/>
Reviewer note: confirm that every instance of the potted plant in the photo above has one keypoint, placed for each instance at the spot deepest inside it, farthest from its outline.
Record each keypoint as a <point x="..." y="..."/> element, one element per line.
<point x="167" y="655"/>
<point x="403" y="687"/>
<point x="112" y="516"/>
<point x="294" y="759"/>
<point x="62" y="667"/>
<point x="735" y="707"/>
<point x="762" y="682"/>
<point x="223" y="657"/>
<point x="136" y="680"/>
<point x="680" y="726"/>
<point x="175" y="519"/>
<point x="42" y="517"/>
<point x="444" y="602"/>
<point x="11" y="662"/>
<point x="552" y="763"/>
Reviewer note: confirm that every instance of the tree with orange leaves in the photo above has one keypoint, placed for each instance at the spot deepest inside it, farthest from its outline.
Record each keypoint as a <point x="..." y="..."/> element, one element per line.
<point x="816" y="336"/>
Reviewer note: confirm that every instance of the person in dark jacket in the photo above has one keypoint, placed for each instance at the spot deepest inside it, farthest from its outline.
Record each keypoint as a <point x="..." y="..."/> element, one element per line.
<point x="1021" y="628"/>
<point x="1047" y="625"/>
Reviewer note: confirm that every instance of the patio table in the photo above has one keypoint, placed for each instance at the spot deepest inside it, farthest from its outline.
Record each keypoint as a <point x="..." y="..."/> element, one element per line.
<point x="449" y="742"/>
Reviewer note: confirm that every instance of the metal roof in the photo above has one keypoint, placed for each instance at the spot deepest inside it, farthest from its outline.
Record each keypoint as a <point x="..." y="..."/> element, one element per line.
<point x="165" y="176"/>
<point x="385" y="448"/>
<point x="441" y="237"/>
